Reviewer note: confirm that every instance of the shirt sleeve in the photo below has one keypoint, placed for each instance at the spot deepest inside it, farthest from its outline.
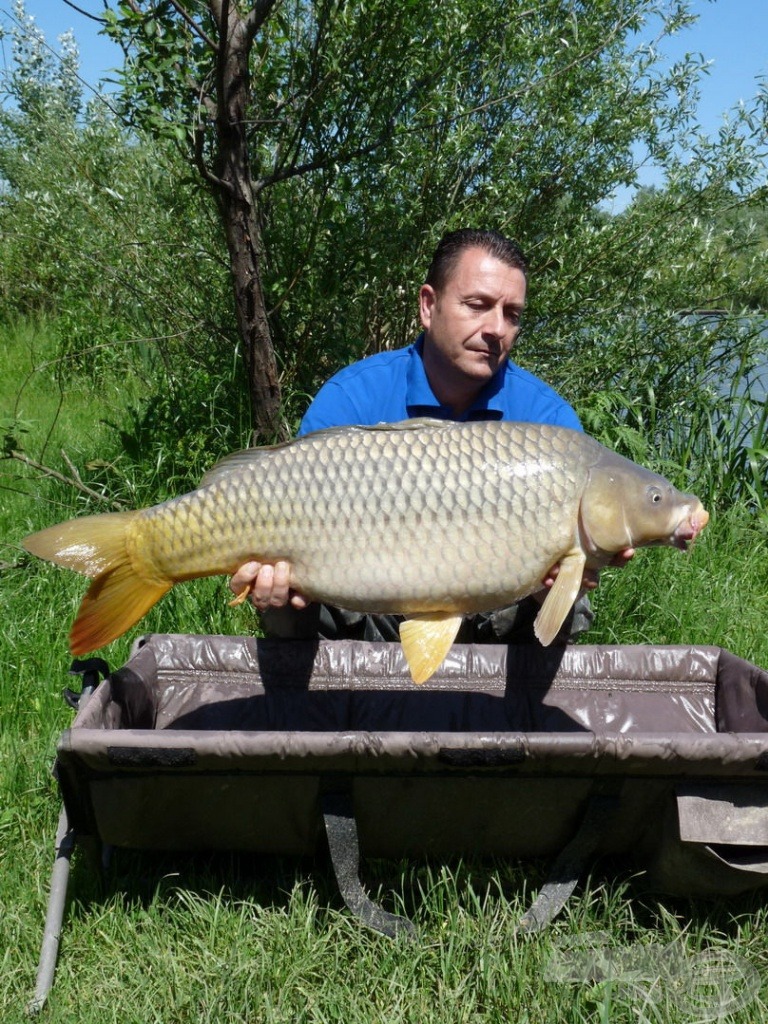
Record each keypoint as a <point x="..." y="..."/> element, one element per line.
<point x="331" y="407"/>
<point x="566" y="417"/>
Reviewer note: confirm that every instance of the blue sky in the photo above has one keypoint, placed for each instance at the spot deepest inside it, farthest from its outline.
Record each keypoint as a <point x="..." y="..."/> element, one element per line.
<point x="97" y="54"/>
<point x="732" y="34"/>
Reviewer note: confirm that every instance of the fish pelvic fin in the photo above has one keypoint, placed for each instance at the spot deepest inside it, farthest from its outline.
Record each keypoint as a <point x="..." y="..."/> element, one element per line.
<point x="426" y="640"/>
<point x="119" y="596"/>
<point x="561" y="597"/>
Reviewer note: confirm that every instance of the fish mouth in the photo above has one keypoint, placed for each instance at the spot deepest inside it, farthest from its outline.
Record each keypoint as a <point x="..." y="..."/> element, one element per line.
<point x="689" y="528"/>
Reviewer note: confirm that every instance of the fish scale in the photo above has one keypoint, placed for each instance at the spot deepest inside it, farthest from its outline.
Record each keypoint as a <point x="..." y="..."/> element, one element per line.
<point x="430" y="519"/>
<point x="355" y="523"/>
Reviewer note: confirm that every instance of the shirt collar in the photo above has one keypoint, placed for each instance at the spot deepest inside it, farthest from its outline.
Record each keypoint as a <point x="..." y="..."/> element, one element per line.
<point x="421" y="401"/>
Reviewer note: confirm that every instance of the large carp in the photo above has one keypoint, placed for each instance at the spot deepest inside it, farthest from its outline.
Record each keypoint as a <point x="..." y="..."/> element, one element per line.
<point x="427" y="518"/>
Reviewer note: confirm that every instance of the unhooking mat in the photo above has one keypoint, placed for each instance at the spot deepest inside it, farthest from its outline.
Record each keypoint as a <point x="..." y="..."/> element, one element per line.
<point x="203" y="742"/>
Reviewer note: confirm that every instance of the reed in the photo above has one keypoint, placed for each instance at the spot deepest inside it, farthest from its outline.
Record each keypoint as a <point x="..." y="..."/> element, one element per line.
<point x="704" y="423"/>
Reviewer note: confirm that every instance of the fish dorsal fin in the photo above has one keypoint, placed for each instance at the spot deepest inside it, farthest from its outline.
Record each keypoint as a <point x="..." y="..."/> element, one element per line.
<point x="417" y="423"/>
<point x="426" y="640"/>
<point x="561" y="597"/>
<point x="247" y="456"/>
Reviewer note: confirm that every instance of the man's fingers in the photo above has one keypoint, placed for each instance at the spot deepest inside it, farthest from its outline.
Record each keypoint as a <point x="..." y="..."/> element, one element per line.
<point x="281" y="579"/>
<point x="281" y="590"/>
<point x="263" y="585"/>
<point x="623" y="557"/>
<point x="267" y="586"/>
<point x="244" y="577"/>
<point x="271" y="586"/>
<point x="590" y="579"/>
<point x="551" y="576"/>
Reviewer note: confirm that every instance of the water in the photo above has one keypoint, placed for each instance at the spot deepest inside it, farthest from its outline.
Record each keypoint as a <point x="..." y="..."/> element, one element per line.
<point x="732" y="380"/>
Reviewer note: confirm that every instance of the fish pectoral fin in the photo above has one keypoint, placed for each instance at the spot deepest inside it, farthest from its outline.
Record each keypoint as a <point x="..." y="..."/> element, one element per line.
<point x="426" y="640"/>
<point x="242" y="596"/>
<point x="560" y="598"/>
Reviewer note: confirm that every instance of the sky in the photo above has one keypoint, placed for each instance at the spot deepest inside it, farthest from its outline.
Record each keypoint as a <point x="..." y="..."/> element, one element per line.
<point x="98" y="55"/>
<point x="732" y="34"/>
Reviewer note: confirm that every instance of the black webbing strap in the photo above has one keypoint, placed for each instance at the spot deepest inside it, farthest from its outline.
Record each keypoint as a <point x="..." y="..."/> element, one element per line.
<point x="570" y="863"/>
<point x="89" y="670"/>
<point x="343" y="843"/>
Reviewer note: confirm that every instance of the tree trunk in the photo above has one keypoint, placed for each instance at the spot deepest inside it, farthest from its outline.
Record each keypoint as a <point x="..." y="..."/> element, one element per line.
<point x="237" y="199"/>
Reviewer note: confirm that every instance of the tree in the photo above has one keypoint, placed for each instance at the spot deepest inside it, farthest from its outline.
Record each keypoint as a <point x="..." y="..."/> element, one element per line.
<point x="341" y="138"/>
<point x="357" y="132"/>
<point x="112" y="253"/>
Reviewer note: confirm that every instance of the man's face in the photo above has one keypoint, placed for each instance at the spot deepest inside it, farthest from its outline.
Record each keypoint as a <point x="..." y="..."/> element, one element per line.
<point x="472" y="322"/>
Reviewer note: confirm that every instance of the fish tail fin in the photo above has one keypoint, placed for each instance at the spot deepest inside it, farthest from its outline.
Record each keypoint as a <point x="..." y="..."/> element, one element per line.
<point x="119" y="596"/>
<point x="114" y="602"/>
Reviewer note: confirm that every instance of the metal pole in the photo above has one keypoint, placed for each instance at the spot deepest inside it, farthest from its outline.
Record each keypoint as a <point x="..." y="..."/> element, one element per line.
<point x="66" y="839"/>
<point x="49" y="951"/>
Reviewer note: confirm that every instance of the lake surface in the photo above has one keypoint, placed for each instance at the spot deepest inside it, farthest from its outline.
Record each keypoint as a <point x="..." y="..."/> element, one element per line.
<point x="755" y="381"/>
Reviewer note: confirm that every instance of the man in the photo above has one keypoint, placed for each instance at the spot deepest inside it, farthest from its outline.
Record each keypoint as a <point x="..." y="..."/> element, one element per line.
<point x="470" y="307"/>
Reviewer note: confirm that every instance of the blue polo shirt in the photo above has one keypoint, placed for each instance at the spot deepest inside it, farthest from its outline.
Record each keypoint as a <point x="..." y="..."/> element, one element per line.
<point x="393" y="386"/>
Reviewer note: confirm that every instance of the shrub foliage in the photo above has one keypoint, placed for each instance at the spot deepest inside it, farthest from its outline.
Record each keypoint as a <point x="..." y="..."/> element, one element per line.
<point x="371" y="129"/>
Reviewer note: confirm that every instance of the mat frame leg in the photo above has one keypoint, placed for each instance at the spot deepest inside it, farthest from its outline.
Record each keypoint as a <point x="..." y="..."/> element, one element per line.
<point x="90" y="670"/>
<point x="570" y="864"/>
<point x="57" y="898"/>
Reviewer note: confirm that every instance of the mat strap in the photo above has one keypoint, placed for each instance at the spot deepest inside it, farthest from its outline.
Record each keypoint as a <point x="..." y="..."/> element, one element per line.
<point x="344" y="845"/>
<point x="571" y="863"/>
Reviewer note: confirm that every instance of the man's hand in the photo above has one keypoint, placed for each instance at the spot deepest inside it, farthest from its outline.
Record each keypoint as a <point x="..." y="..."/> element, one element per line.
<point x="266" y="586"/>
<point x="591" y="576"/>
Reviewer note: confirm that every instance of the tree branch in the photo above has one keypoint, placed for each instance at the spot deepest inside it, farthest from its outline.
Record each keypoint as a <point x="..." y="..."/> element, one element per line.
<point x="197" y="29"/>
<point x="256" y="17"/>
<point x="71" y="481"/>
<point x="86" y="14"/>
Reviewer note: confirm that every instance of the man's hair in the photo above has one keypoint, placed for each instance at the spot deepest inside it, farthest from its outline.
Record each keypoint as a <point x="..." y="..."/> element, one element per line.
<point x="452" y="245"/>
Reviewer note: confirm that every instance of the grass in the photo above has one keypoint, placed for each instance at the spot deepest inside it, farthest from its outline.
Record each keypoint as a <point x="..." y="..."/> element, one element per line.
<point x="713" y="594"/>
<point x="235" y="939"/>
<point x="266" y="942"/>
